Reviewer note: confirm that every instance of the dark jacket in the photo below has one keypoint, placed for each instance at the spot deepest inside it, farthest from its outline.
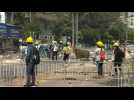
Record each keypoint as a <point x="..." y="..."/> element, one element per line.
<point x="29" y="55"/>
<point x="119" y="55"/>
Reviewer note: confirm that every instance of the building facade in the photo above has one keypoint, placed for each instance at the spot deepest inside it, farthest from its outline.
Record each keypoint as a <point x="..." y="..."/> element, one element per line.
<point x="127" y="18"/>
<point x="2" y="17"/>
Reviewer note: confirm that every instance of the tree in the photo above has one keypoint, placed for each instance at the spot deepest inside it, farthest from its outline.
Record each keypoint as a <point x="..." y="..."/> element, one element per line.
<point x="118" y="31"/>
<point x="88" y="36"/>
<point x="92" y="25"/>
<point x="98" y="21"/>
<point x="131" y="35"/>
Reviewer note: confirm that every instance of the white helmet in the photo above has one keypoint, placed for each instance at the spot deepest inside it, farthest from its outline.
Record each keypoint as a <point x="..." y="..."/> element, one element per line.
<point x="68" y="43"/>
<point x="20" y="40"/>
<point x="54" y="42"/>
<point x="61" y="41"/>
<point x="116" y="44"/>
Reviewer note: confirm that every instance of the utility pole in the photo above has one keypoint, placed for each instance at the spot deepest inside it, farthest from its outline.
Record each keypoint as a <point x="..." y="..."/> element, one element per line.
<point x="30" y="17"/>
<point x="76" y="24"/>
<point x="74" y="29"/>
<point x="73" y="33"/>
<point x="12" y="18"/>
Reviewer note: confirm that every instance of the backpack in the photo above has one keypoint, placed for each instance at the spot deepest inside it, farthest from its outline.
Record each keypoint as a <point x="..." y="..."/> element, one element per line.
<point x="119" y="54"/>
<point x="102" y="55"/>
<point x="36" y="56"/>
<point x="122" y="53"/>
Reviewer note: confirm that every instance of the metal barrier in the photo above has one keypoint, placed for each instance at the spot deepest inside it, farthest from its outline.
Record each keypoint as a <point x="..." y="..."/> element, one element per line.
<point x="15" y="74"/>
<point x="86" y="71"/>
<point x="12" y="74"/>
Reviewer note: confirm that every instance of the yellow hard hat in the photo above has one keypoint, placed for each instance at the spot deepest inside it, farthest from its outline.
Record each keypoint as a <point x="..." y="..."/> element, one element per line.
<point x="54" y="42"/>
<point x="116" y="44"/>
<point x="61" y="41"/>
<point x="99" y="43"/>
<point x="118" y="41"/>
<point x="68" y="43"/>
<point x="29" y="40"/>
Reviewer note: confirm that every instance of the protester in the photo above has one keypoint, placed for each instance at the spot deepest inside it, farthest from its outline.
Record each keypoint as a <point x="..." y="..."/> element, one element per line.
<point x="118" y="56"/>
<point x="100" y="57"/>
<point x="32" y="59"/>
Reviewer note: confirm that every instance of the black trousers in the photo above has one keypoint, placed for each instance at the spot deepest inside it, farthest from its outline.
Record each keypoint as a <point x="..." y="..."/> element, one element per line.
<point x="55" y="54"/>
<point x="66" y="57"/>
<point x="100" y="68"/>
<point x="117" y="65"/>
<point x="30" y="69"/>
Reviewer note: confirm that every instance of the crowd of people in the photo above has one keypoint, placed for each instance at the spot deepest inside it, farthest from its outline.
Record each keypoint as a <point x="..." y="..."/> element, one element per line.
<point x="55" y="49"/>
<point x="52" y="51"/>
<point x="32" y="56"/>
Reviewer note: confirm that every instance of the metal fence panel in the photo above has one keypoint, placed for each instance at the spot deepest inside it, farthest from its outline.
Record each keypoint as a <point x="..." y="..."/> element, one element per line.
<point x="15" y="74"/>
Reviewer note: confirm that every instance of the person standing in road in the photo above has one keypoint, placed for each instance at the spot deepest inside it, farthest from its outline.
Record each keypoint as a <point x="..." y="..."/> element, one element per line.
<point x="60" y="50"/>
<point x="118" y="56"/>
<point x="37" y="45"/>
<point x="55" y="50"/>
<point x="100" y="56"/>
<point x="67" y="50"/>
<point x="31" y="62"/>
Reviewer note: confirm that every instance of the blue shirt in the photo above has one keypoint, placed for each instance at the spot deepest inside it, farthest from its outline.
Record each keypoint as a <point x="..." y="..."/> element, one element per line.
<point x="29" y="54"/>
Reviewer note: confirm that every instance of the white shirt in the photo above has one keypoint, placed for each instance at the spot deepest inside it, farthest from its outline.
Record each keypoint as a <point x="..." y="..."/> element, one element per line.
<point x="55" y="48"/>
<point x="97" y="53"/>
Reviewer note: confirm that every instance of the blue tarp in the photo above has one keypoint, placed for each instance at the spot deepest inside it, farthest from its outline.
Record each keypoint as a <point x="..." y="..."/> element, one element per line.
<point x="8" y="33"/>
<point x="2" y="25"/>
<point x="13" y="35"/>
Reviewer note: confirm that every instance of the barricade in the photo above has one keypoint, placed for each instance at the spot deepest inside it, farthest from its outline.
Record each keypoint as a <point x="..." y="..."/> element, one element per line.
<point x="74" y="70"/>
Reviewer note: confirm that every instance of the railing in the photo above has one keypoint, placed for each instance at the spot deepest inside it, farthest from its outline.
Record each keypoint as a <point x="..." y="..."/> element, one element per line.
<point x="15" y="74"/>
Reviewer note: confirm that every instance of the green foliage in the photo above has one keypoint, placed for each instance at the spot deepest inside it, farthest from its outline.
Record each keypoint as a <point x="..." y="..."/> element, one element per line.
<point x="118" y="31"/>
<point x="88" y="35"/>
<point x="131" y="35"/>
<point x="93" y="26"/>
